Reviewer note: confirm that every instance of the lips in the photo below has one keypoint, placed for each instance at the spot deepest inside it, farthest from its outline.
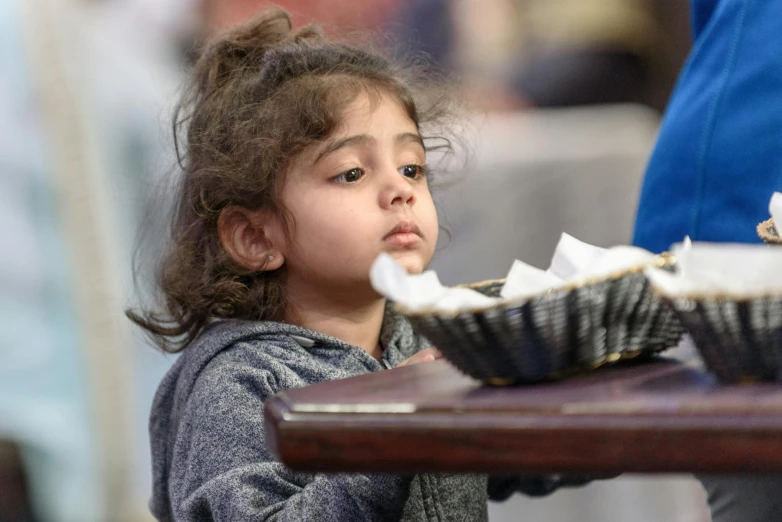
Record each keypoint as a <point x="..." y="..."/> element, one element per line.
<point x="405" y="227"/>
<point x="405" y="234"/>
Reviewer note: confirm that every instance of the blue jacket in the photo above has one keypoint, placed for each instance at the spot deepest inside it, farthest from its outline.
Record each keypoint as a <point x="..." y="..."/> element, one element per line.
<point x="718" y="157"/>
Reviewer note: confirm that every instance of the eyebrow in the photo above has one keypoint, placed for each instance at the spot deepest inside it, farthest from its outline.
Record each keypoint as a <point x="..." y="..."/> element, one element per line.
<point x="365" y="139"/>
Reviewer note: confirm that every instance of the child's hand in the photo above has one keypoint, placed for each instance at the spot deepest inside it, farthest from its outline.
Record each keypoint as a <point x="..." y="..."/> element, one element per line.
<point x="430" y="354"/>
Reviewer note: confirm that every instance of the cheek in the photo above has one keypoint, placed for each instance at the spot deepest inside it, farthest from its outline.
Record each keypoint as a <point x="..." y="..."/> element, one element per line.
<point x="336" y="231"/>
<point x="428" y="215"/>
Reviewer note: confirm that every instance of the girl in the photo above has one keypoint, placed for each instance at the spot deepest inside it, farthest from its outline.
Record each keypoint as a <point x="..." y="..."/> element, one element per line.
<point x="304" y="160"/>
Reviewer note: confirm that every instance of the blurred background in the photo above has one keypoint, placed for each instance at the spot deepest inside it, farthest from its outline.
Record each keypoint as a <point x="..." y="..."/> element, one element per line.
<point x="566" y="98"/>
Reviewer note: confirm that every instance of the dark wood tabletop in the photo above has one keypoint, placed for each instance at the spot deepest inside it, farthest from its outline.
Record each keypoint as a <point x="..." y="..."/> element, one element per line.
<point x="659" y="416"/>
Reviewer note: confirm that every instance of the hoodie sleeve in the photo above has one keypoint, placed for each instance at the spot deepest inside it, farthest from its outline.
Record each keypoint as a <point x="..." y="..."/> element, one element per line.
<point x="222" y="469"/>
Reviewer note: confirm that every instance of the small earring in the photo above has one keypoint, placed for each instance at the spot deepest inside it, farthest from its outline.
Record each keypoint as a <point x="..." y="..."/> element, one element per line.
<point x="271" y="257"/>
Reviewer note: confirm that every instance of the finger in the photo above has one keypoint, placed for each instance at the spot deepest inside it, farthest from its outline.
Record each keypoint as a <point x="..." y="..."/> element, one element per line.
<point x="403" y="363"/>
<point x="420" y="357"/>
<point x="415" y="359"/>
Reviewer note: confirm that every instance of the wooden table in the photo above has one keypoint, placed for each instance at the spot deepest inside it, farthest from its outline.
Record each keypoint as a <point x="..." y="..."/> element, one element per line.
<point x="661" y="416"/>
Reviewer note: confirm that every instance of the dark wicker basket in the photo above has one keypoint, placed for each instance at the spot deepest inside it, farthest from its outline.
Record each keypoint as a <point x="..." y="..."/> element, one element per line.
<point x="557" y="333"/>
<point x="739" y="339"/>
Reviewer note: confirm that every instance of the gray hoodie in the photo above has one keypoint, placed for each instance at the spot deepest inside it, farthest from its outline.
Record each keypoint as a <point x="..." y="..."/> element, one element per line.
<point x="209" y="456"/>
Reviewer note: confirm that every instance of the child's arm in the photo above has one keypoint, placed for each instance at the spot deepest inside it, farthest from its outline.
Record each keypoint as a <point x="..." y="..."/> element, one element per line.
<point x="260" y="492"/>
<point x="222" y="469"/>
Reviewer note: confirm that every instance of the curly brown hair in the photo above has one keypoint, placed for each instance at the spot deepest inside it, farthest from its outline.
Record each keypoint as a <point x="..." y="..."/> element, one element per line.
<point x="258" y="96"/>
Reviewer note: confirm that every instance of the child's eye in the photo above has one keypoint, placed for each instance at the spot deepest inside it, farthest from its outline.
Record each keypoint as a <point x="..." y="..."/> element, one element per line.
<point x="413" y="171"/>
<point x="349" y="176"/>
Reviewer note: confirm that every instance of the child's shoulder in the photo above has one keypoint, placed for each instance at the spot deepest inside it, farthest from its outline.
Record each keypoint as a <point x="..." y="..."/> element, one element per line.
<point x="245" y="345"/>
<point x="256" y="342"/>
<point x="227" y="352"/>
<point x="277" y="355"/>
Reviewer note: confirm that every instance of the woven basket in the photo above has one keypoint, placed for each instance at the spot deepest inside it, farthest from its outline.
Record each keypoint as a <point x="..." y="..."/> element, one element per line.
<point x="739" y="338"/>
<point x="560" y="332"/>
<point x="768" y="232"/>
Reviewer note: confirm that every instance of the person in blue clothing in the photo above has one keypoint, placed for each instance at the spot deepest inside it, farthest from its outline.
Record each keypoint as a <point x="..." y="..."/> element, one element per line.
<point x="717" y="161"/>
<point x="718" y="157"/>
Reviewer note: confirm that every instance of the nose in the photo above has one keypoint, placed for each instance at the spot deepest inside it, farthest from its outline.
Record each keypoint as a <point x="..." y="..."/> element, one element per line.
<point x="396" y="189"/>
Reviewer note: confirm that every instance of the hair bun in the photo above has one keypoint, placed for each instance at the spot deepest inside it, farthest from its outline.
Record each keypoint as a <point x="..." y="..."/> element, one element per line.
<point x="244" y="46"/>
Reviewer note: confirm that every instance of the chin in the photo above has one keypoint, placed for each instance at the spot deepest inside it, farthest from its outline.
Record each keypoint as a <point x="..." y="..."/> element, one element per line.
<point x="410" y="262"/>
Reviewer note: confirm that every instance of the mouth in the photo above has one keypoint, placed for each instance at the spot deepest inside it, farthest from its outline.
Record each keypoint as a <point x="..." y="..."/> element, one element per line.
<point x="405" y="234"/>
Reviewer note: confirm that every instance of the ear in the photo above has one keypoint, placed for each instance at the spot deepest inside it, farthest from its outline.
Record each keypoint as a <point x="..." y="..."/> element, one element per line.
<point x="246" y="237"/>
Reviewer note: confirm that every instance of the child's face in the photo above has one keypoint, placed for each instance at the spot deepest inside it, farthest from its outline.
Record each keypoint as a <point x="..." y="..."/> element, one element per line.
<point x="360" y="193"/>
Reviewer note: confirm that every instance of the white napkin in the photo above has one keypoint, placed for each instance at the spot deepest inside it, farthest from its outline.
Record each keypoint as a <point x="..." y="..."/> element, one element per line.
<point x="721" y="268"/>
<point x="572" y="256"/>
<point x="573" y="261"/>
<point x="775" y="209"/>
<point x="527" y="281"/>
<point x="422" y="292"/>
